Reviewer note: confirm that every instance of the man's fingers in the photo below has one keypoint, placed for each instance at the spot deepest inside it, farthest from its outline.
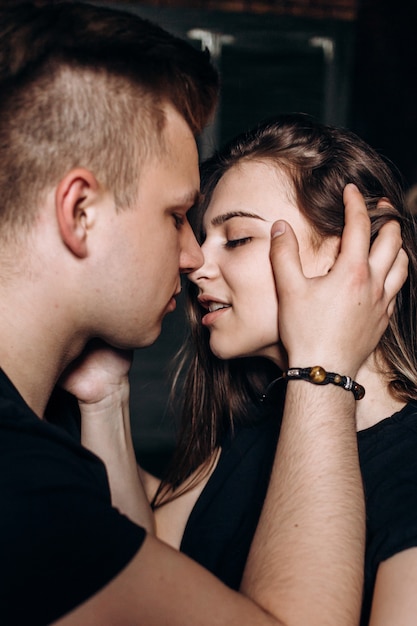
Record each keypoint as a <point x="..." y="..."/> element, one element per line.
<point x="285" y="257"/>
<point x="357" y="230"/>
<point x="396" y="278"/>
<point x="385" y="249"/>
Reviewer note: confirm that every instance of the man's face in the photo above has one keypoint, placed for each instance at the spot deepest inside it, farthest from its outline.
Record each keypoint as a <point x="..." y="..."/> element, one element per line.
<point x="149" y="245"/>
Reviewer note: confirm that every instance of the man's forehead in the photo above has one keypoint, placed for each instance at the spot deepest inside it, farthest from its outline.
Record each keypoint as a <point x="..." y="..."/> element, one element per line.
<point x="192" y="197"/>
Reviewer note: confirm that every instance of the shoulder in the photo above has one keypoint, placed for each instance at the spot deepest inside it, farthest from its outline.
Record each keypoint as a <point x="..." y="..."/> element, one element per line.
<point x="389" y="445"/>
<point x="59" y="535"/>
<point x="388" y="454"/>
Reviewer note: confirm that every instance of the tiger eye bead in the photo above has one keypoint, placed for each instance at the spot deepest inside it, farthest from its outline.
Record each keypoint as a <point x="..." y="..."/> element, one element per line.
<point x="317" y="374"/>
<point x="358" y="391"/>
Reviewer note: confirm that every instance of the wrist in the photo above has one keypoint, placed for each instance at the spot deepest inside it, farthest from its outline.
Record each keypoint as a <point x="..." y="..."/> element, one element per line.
<point x="337" y="362"/>
<point x="105" y="427"/>
<point x="317" y="375"/>
<point x="104" y="396"/>
<point x="107" y="416"/>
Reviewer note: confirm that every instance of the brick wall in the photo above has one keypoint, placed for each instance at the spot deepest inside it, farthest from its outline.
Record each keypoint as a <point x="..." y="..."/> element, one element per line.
<point x="322" y="9"/>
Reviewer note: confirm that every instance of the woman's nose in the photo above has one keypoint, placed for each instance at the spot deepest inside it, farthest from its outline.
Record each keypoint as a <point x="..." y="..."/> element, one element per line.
<point x="206" y="270"/>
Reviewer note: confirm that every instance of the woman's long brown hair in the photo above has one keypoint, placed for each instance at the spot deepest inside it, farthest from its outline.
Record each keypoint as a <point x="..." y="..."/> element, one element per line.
<point x="211" y="395"/>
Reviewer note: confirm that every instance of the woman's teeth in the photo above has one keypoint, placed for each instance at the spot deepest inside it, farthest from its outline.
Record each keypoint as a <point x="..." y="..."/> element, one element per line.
<point x="215" y="306"/>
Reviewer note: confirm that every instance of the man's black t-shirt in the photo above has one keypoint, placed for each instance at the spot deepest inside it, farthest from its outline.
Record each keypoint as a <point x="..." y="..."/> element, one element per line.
<point x="61" y="540"/>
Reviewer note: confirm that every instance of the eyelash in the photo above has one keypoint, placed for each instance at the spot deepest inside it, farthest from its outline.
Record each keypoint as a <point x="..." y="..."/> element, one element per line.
<point x="235" y="243"/>
<point x="179" y="220"/>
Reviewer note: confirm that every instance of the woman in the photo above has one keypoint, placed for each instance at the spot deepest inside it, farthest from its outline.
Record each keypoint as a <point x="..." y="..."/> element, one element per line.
<point x="295" y="169"/>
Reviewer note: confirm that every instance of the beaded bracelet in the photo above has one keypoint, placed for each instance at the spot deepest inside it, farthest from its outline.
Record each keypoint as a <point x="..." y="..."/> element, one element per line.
<point x="318" y="376"/>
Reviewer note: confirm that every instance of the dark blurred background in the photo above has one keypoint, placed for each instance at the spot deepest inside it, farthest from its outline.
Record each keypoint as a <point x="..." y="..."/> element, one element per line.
<point x="347" y="62"/>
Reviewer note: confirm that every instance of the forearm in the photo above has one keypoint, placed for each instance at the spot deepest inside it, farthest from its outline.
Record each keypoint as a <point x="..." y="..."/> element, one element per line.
<point x="307" y="555"/>
<point x="306" y="561"/>
<point x="105" y="430"/>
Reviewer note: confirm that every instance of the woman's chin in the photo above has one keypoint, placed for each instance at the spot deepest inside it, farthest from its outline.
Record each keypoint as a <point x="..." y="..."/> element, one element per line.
<point x="224" y="352"/>
<point x="227" y="352"/>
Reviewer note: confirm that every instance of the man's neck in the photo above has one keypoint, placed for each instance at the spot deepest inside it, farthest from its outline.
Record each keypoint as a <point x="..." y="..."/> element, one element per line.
<point x="35" y="346"/>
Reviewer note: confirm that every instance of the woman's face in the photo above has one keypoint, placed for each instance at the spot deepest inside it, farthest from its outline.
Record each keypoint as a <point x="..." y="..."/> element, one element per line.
<point x="236" y="282"/>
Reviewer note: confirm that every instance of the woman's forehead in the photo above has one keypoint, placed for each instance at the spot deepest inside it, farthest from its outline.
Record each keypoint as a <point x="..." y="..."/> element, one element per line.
<point x="251" y="185"/>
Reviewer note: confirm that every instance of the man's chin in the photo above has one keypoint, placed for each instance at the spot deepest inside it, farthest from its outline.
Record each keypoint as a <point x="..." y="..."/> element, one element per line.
<point x="151" y="336"/>
<point x="145" y="339"/>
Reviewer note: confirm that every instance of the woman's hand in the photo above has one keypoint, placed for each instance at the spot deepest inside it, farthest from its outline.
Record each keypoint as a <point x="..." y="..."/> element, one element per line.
<point x="97" y="373"/>
<point x="99" y="380"/>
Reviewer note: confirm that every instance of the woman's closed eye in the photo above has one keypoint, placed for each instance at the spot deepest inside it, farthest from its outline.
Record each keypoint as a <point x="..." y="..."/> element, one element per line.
<point x="235" y="243"/>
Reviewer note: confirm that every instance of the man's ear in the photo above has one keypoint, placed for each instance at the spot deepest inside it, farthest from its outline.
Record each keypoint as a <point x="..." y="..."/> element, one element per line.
<point x="75" y="199"/>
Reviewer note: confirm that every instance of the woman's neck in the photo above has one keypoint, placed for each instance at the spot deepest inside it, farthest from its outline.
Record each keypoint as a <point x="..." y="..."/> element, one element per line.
<point x="378" y="402"/>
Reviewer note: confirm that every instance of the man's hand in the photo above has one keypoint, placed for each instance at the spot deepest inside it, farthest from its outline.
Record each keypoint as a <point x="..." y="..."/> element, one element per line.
<point x="337" y="320"/>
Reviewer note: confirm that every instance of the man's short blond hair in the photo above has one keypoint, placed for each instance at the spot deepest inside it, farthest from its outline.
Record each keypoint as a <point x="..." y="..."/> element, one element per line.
<point x="86" y="86"/>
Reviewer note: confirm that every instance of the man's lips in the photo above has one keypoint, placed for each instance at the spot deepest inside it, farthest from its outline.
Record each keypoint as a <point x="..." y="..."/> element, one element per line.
<point x="172" y="304"/>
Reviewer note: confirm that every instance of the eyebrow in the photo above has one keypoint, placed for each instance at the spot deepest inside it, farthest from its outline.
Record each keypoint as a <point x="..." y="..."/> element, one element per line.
<point x="192" y="198"/>
<point x="188" y="199"/>
<point x="221" y="219"/>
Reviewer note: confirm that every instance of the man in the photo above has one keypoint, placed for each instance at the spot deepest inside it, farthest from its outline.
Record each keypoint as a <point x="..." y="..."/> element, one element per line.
<point x="98" y="168"/>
